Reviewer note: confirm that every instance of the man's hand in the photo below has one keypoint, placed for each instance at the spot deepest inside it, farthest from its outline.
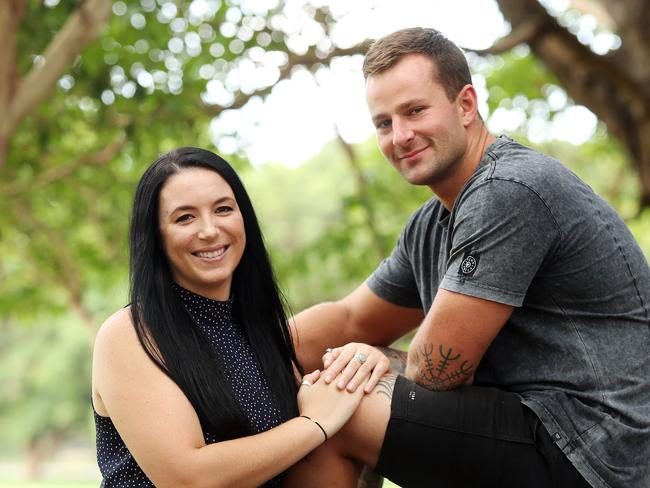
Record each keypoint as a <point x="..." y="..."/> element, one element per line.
<point x="397" y="359"/>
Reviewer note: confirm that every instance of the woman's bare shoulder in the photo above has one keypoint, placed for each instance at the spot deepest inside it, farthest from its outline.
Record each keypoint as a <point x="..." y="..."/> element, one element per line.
<point x="117" y="330"/>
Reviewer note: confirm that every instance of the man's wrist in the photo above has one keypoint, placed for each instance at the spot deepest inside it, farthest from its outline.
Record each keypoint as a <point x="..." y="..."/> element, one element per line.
<point x="396" y="357"/>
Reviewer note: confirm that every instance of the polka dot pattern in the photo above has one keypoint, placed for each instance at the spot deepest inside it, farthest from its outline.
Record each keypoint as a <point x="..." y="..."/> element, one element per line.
<point x="240" y="366"/>
<point x="241" y="370"/>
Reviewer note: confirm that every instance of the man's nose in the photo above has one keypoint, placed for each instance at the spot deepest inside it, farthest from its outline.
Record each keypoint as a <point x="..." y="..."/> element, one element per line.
<point x="402" y="133"/>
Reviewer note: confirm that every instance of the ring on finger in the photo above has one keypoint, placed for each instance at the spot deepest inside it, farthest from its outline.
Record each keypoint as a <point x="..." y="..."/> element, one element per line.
<point x="361" y="357"/>
<point x="306" y="382"/>
<point x="328" y="350"/>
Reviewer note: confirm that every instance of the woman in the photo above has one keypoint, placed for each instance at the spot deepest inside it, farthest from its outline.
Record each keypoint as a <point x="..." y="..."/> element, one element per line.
<point x="194" y="384"/>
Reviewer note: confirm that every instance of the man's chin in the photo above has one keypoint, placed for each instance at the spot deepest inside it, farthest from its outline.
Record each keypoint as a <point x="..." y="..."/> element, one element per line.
<point x="415" y="178"/>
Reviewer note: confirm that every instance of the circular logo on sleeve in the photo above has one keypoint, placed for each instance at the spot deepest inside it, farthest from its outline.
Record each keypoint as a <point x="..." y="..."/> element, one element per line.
<point x="468" y="265"/>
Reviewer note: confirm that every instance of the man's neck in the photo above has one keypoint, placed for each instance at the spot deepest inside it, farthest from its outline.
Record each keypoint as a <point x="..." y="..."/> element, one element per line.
<point x="448" y="190"/>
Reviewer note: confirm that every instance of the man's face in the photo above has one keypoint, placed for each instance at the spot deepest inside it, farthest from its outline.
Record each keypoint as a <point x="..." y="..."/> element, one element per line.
<point x="419" y="130"/>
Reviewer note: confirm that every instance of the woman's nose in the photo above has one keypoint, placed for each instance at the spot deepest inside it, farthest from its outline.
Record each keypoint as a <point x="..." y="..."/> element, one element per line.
<point x="209" y="229"/>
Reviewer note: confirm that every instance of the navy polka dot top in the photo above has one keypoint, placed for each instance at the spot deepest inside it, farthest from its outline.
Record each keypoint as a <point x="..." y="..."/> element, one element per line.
<point x="214" y="318"/>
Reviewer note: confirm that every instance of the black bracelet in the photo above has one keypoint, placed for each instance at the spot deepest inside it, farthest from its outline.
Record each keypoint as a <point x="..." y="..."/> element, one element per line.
<point x="319" y="425"/>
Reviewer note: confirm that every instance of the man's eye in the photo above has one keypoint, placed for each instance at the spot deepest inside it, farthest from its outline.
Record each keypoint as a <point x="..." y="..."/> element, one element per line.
<point x="383" y="124"/>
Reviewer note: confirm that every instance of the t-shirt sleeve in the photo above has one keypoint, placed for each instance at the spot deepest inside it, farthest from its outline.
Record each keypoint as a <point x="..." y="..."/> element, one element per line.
<point x="503" y="231"/>
<point x="393" y="280"/>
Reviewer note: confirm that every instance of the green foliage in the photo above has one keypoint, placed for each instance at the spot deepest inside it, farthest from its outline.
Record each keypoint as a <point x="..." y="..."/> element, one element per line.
<point x="513" y="74"/>
<point x="140" y="90"/>
<point x="45" y="376"/>
<point x="316" y="223"/>
<point x="66" y="192"/>
<point x="640" y="227"/>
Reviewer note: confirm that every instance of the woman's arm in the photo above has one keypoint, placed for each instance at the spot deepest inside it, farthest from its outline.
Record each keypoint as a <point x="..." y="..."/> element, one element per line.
<point x="162" y="431"/>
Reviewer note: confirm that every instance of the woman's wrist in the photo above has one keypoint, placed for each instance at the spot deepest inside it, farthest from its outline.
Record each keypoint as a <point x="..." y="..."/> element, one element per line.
<point x="317" y="424"/>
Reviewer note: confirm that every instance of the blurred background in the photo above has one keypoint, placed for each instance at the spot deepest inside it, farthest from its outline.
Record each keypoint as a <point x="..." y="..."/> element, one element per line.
<point x="92" y="91"/>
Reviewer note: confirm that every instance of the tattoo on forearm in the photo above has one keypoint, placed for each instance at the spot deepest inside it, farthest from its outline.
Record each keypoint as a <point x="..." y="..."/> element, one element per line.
<point x="443" y="371"/>
<point x="386" y="385"/>
<point x="397" y="359"/>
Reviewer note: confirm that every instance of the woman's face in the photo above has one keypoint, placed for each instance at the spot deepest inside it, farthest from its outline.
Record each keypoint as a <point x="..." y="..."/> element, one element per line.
<point x="202" y="231"/>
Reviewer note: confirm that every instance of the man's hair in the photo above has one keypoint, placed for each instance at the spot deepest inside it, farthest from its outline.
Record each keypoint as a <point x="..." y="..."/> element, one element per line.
<point x="452" y="71"/>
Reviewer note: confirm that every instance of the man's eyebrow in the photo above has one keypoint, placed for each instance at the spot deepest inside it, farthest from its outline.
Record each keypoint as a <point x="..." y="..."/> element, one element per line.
<point x="378" y="117"/>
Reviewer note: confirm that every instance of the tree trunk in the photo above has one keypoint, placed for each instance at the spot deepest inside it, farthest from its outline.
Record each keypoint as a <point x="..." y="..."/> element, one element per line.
<point x="19" y="97"/>
<point x="11" y="12"/>
<point x="615" y="86"/>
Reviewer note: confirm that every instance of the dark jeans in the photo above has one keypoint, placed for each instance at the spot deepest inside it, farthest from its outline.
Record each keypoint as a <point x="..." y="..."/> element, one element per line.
<point x="469" y="437"/>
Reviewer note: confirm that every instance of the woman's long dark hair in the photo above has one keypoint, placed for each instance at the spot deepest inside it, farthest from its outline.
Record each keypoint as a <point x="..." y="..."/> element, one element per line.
<point x="165" y="328"/>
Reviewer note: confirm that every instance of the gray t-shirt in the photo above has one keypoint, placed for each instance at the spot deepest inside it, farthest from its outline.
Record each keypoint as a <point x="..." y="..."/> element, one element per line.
<point x="525" y="231"/>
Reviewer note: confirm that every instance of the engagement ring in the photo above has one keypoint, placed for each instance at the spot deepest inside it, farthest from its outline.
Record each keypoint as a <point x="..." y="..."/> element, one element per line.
<point x="361" y="357"/>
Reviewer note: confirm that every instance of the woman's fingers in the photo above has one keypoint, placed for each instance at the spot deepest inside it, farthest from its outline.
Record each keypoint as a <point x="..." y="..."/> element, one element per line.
<point x="354" y="364"/>
<point x="371" y="366"/>
<point x="380" y="370"/>
<point x="328" y="405"/>
<point x="310" y="379"/>
<point x="329" y="355"/>
<point x="340" y="358"/>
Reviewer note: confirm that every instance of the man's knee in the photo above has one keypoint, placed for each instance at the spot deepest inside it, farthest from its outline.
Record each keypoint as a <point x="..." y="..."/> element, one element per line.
<point x="363" y="435"/>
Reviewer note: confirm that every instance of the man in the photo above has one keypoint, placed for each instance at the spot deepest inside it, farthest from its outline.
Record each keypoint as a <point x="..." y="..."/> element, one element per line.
<point x="530" y="365"/>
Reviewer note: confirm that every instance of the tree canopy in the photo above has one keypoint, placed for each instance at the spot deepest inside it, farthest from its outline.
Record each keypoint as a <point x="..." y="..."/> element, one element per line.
<point x="92" y="90"/>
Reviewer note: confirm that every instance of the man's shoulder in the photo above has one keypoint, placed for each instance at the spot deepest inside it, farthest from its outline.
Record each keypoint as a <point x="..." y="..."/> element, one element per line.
<point x="514" y="161"/>
<point x="508" y="164"/>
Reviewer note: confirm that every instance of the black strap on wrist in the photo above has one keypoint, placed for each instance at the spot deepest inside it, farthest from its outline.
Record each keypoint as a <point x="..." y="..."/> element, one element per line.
<point x="319" y="425"/>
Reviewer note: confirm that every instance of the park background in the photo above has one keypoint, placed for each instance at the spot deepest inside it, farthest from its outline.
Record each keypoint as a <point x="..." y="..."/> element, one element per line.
<point x="92" y="91"/>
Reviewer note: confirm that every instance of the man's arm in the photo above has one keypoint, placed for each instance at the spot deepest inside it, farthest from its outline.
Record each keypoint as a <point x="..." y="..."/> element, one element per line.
<point x="452" y="339"/>
<point x="361" y="316"/>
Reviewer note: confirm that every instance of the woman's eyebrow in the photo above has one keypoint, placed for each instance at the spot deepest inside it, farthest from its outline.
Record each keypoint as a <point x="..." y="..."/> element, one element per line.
<point x="191" y="207"/>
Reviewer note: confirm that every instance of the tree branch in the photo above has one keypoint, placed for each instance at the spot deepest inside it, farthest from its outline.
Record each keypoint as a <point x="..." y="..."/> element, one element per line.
<point x="11" y="12"/>
<point x="67" y="272"/>
<point x="81" y="28"/>
<point x="520" y="34"/>
<point x="309" y="59"/>
<point x="595" y="8"/>
<point x="603" y="83"/>
<point x="362" y="195"/>
<point x="100" y="158"/>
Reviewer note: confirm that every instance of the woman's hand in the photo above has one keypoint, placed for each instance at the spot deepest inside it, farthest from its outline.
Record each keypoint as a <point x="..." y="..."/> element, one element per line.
<point x="324" y="403"/>
<point x="355" y="362"/>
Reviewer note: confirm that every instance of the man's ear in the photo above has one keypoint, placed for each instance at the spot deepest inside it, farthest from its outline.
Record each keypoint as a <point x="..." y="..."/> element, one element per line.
<point x="467" y="104"/>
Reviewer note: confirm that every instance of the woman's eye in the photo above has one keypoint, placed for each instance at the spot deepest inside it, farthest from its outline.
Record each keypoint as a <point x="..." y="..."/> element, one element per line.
<point x="223" y="209"/>
<point x="184" y="218"/>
